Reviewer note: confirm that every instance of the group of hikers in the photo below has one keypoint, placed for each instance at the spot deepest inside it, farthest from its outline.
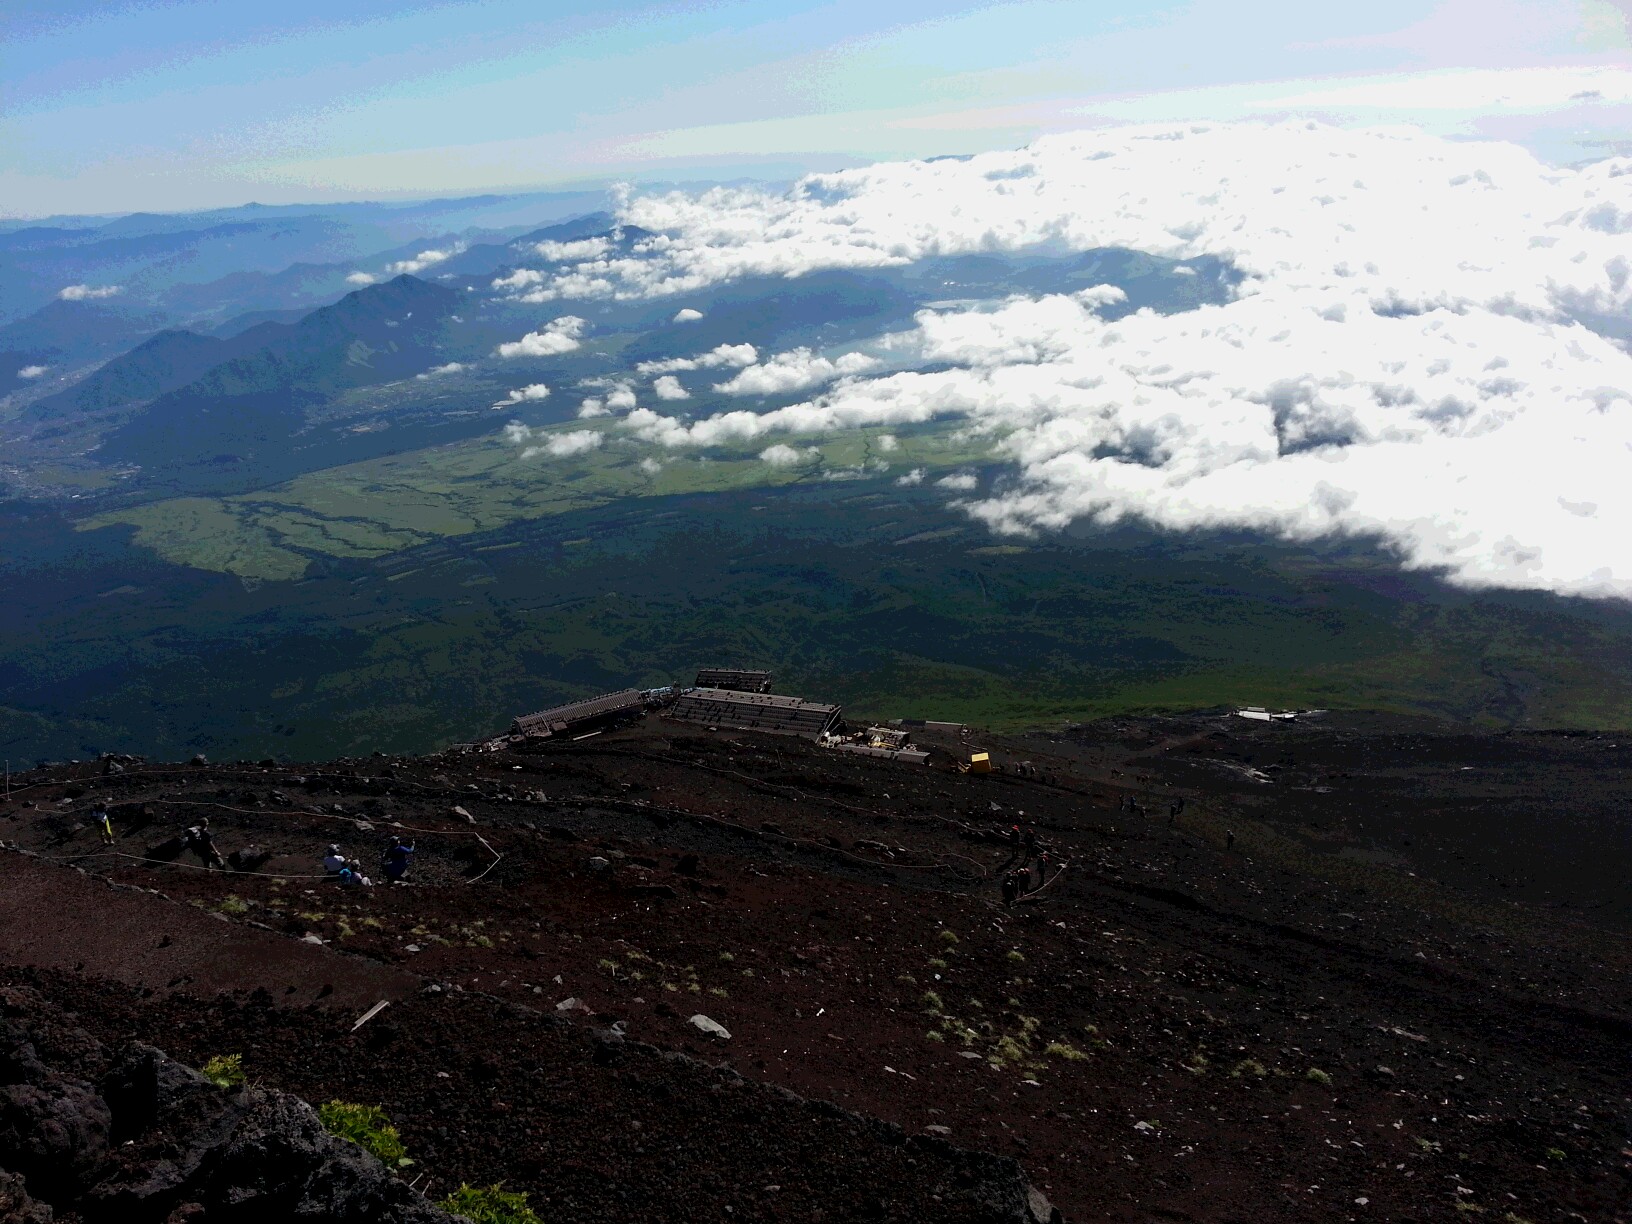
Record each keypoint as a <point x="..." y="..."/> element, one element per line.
<point x="394" y="863"/>
<point x="1028" y="864"/>
<point x="198" y="840"/>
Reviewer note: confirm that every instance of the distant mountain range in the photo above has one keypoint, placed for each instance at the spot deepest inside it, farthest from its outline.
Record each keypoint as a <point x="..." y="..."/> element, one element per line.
<point x="151" y="255"/>
<point x="374" y="334"/>
<point x="213" y="398"/>
<point x="63" y="335"/>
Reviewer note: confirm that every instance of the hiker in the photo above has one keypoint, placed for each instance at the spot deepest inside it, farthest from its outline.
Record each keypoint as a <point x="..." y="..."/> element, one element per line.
<point x="334" y="861"/>
<point x="351" y="873"/>
<point x="1011" y="889"/>
<point x="1229" y="839"/>
<point x="104" y="824"/>
<point x="396" y="859"/>
<point x="199" y="841"/>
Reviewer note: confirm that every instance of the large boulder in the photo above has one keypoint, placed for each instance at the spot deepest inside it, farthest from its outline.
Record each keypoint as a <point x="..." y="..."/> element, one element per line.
<point x="154" y="1142"/>
<point x="55" y="1133"/>
<point x="282" y="1165"/>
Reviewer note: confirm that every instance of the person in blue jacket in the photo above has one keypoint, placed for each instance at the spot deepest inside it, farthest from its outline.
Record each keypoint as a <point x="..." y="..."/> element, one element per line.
<point x="396" y="859"/>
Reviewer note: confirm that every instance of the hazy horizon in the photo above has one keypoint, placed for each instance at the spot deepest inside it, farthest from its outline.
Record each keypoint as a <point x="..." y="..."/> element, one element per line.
<point x="177" y="107"/>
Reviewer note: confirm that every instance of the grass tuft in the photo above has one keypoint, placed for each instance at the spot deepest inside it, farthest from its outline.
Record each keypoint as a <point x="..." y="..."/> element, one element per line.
<point x="368" y="1127"/>
<point x="224" y="1070"/>
<point x="490" y="1205"/>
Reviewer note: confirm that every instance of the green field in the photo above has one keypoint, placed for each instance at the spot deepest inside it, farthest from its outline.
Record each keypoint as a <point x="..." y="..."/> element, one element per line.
<point x="861" y="592"/>
<point x="387" y="505"/>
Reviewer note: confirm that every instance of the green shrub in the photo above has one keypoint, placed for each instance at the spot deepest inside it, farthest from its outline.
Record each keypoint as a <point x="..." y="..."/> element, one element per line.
<point x="1316" y="1076"/>
<point x="1065" y="1050"/>
<point x="367" y="1127"/>
<point x="231" y="904"/>
<point x="491" y="1205"/>
<point x="948" y="938"/>
<point x="224" y="1070"/>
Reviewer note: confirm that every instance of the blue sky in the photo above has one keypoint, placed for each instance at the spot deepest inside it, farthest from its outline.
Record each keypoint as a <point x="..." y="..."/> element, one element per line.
<point x="113" y="107"/>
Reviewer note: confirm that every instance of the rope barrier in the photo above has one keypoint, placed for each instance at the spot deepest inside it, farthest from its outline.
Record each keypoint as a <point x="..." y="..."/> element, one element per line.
<point x="137" y="858"/>
<point x="279" y="875"/>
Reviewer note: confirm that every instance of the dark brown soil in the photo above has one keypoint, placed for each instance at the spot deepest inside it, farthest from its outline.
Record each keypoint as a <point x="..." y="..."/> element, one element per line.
<point x="1345" y="1014"/>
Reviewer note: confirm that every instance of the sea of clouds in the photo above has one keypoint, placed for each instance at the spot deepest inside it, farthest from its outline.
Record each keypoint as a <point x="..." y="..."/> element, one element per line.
<point x="1429" y="345"/>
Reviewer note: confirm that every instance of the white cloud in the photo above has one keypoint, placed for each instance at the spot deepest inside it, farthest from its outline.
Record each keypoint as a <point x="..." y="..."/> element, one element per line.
<point x="87" y="293"/>
<point x="452" y="367"/>
<point x="1427" y="348"/>
<point x="536" y="442"/>
<point x="592" y="408"/>
<point x="361" y="278"/>
<point x="794" y="371"/>
<point x="559" y="336"/>
<point x="521" y="278"/>
<point x="650" y="466"/>
<point x="580" y="249"/>
<point x="425" y="259"/>
<point x="31" y="372"/>
<point x="783" y="455"/>
<point x="1292" y="202"/>
<point x="720" y="355"/>
<point x="621" y="398"/>
<point x="523" y="395"/>
<point x="887" y="442"/>
<point x="577" y="442"/>
<point x="687" y="315"/>
<point x="961" y="482"/>
<point x="668" y="387"/>
<point x="914" y="477"/>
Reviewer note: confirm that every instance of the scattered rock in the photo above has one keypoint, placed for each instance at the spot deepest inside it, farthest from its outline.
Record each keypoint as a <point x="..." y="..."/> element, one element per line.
<point x="712" y="1027"/>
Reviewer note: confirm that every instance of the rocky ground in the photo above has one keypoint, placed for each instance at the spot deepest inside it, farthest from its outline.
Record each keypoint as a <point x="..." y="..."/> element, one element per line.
<point x="1368" y="970"/>
<point x="88" y="1133"/>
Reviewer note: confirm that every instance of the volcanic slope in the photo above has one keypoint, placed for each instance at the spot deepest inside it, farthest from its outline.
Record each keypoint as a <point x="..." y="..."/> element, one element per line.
<point x="1248" y="1008"/>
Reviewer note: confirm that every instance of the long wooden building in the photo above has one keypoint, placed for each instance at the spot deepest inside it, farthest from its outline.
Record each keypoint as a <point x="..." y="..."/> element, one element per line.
<point x="734" y="678"/>
<point x="727" y="708"/>
<point x="579" y="715"/>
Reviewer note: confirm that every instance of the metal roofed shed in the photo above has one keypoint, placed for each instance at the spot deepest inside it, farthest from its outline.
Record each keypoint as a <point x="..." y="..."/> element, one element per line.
<point x="714" y="707"/>
<point x="577" y="714"/>
<point x="734" y="678"/>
